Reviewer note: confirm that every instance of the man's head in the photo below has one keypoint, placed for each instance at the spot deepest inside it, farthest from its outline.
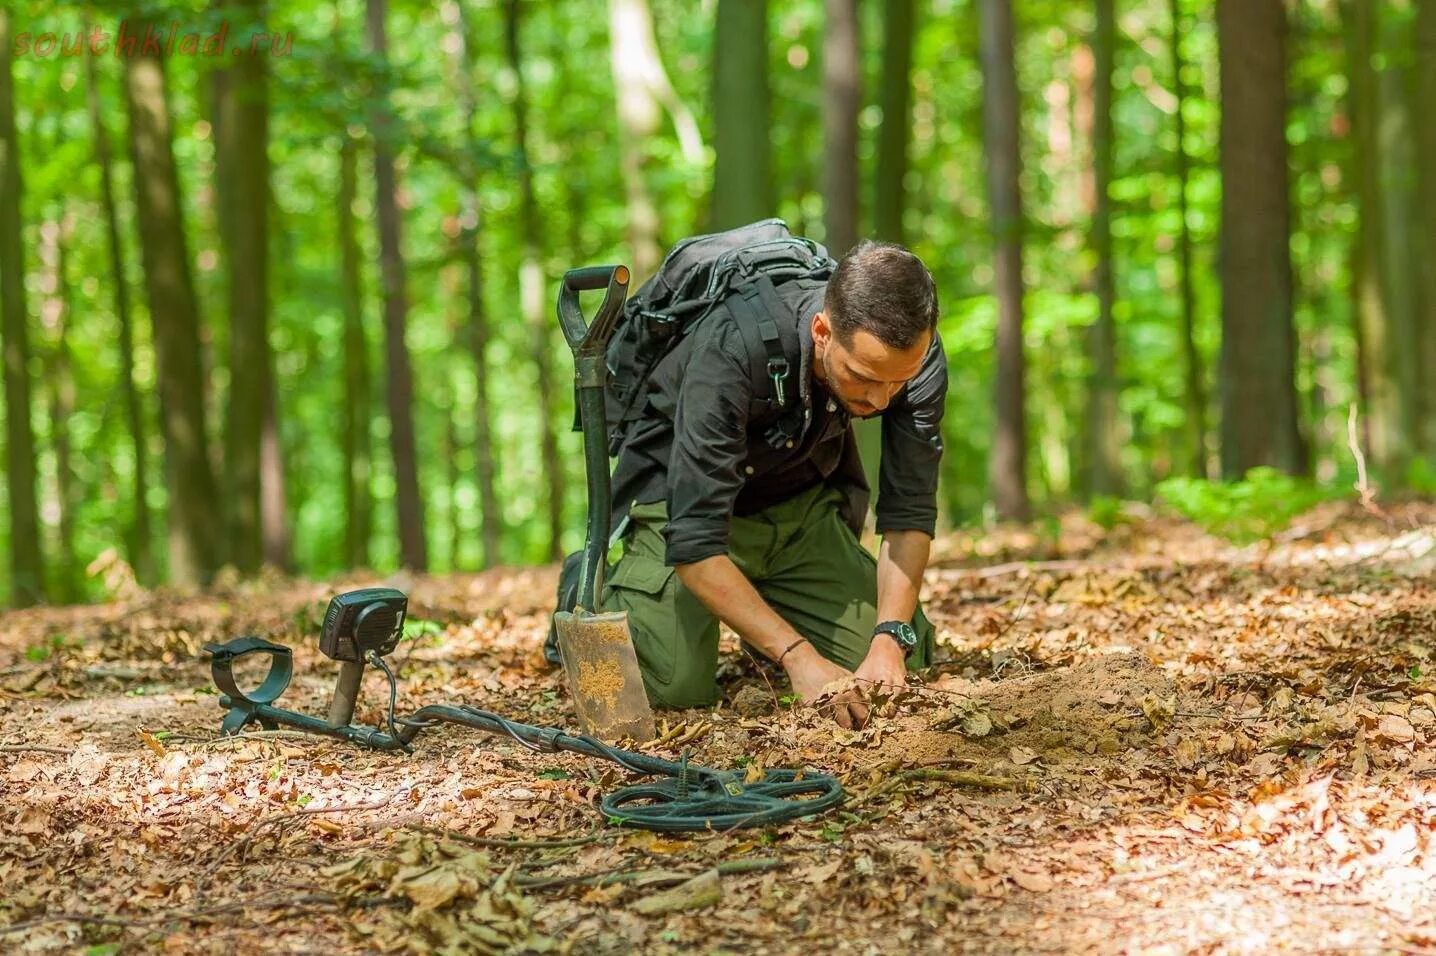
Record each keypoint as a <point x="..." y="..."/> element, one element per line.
<point x="878" y="319"/>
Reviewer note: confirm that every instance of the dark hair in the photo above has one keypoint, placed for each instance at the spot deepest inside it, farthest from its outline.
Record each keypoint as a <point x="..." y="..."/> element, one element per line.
<point x="885" y="289"/>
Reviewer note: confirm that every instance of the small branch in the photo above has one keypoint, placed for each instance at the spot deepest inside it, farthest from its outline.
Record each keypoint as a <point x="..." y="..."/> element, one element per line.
<point x="508" y="844"/>
<point x="1368" y="494"/>
<point x="33" y="748"/>
<point x="647" y="877"/>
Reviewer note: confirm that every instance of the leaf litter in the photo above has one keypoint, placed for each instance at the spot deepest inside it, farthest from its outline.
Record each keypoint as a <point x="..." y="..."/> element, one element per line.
<point x="1142" y="740"/>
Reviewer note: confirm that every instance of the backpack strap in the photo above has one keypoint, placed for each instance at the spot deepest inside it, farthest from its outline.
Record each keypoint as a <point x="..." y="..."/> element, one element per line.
<point x="754" y="305"/>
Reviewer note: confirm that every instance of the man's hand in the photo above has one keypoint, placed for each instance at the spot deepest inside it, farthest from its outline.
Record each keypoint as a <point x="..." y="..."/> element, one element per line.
<point x="811" y="674"/>
<point x="885" y="667"/>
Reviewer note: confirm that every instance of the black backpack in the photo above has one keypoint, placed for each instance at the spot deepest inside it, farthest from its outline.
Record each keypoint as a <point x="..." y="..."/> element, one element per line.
<point x="741" y="267"/>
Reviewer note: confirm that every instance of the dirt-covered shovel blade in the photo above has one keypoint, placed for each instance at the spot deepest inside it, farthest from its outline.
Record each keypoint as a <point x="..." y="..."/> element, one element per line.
<point x="599" y="662"/>
<point x="603" y="676"/>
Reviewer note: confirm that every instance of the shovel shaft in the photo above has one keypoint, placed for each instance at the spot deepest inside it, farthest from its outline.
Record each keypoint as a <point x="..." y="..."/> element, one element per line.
<point x="589" y="342"/>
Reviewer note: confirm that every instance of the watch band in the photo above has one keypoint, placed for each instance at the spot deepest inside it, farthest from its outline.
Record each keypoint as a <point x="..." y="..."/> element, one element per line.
<point x="902" y="634"/>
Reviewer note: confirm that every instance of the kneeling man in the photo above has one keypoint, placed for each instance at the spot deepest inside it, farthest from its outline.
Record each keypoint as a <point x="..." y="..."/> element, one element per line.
<point x="726" y="524"/>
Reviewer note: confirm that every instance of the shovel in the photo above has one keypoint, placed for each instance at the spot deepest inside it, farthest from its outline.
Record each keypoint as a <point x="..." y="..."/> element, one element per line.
<point x="599" y="662"/>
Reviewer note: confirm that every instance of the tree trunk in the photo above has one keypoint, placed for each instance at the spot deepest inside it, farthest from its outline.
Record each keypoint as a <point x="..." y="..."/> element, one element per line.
<point x="642" y="88"/>
<point x="139" y="551"/>
<point x="1104" y="455"/>
<point x="1195" y="397"/>
<point x="471" y="220"/>
<point x="842" y="99"/>
<point x="254" y="472"/>
<point x="175" y="314"/>
<point x="358" y="401"/>
<point x="60" y="386"/>
<point x="531" y="290"/>
<point x="413" y="546"/>
<point x="889" y="197"/>
<point x="1259" y="420"/>
<point x="1425" y="144"/>
<point x="1008" y="465"/>
<point x="27" y="585"/>
<point x="1400" y="266"/>
<point x="742" y="169"/>
<point x="1380" y="308"/>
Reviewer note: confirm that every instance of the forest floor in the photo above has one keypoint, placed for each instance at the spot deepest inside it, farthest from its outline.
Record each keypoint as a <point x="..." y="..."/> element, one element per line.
<point x="1181" y="745"/>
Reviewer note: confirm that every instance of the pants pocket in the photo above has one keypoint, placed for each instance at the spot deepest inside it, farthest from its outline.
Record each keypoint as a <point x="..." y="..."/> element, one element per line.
<point x="641" y="586"/>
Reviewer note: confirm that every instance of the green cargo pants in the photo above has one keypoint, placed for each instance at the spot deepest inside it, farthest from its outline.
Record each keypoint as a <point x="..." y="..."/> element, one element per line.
<point x="800" y="555"/>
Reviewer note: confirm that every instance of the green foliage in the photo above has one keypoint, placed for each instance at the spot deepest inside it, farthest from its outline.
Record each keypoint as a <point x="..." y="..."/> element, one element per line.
<point x="1264" y="502"/>
<point x="1105" y="511"/>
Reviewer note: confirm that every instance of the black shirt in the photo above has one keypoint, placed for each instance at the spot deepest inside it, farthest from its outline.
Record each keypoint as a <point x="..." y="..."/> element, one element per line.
<point x="699" y="446"/>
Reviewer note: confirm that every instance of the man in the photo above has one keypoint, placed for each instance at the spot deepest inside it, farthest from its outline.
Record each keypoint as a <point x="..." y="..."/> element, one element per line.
<point x="725" y="524"/>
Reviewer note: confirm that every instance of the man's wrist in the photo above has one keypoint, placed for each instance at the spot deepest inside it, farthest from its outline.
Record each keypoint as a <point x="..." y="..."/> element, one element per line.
<point x="797" y="655"/>
<point x="885" y="645"/>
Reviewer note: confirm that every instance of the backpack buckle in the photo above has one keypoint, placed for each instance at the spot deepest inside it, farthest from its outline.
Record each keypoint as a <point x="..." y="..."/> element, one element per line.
<point x="658" y="325"/>
<point x="778" y="372"/>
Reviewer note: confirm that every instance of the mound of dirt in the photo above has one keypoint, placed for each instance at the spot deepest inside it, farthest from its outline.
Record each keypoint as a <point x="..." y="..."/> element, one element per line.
<point x="1105" y="706"/>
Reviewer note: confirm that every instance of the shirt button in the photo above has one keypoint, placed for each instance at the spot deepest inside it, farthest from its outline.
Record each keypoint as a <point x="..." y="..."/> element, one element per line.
<point x="832" y="406"/>
<point x="788" y="443"/>
<point x="748" y="469"/>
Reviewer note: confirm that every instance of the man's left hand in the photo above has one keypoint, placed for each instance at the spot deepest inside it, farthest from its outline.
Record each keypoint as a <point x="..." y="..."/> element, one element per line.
<point x="885" y="667"/>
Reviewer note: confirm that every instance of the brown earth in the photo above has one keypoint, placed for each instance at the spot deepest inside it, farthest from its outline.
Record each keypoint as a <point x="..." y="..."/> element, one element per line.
<point x="1144" y="740"/>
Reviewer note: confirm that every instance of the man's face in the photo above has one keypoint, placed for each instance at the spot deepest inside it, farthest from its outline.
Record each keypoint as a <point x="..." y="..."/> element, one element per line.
<point x="863" y="375"/>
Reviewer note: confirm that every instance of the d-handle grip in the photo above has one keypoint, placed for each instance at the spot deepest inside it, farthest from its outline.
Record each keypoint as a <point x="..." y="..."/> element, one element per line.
<point x="582" y="335"/>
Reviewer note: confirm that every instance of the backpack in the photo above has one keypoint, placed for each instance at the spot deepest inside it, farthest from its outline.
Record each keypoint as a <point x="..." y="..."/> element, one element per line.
<point x="741" y="268"/>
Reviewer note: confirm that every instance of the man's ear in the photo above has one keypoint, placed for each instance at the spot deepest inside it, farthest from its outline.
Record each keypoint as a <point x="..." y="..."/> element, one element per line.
<point x="822" y="330"/>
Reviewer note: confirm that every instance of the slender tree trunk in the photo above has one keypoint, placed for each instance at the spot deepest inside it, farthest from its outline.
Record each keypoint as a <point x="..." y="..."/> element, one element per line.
<point x="471" y="220"/>
<point x="742" y="171"/>
<point x="1259" y="418"/>
<point x="413" y="547"/>
<point x="27" y="582"/>
<point x="1425" y="144"/>
<point x="1008" y="464"/>
<point x="139" y="552"/>
<point x="842" y="99"/>
<point x="531" y="289"/>
<point x="254" y="471"/>
<point x="175" y="313"/>
<point x="358" y="400"/>
<point x="633" y="56"/>
<point x="1104" y="456"/>
<point x="1375" y="312"/>
<point x="889" y="196"/>
<point x="60" y="386"/>
<point x="1195" y="398"/>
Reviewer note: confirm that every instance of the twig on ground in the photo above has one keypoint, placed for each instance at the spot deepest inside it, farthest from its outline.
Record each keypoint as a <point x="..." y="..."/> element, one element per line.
<point x="274" y="901"/>
<point x="1368" y="494"/>
<point x="650" y="877"/>
<point x="33" y="748"/>
<point x="500" y="842"/>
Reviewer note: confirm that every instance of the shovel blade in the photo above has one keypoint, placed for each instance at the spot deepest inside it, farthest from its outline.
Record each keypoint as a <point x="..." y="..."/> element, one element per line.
<point x="601" y="668"/>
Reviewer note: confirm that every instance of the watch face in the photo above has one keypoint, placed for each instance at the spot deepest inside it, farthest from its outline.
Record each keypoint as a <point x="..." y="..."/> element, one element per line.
<point x="907" y="635"/>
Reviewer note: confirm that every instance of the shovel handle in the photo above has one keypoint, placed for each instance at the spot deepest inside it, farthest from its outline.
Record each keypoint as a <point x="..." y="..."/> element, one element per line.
<point x="591" y="337"/>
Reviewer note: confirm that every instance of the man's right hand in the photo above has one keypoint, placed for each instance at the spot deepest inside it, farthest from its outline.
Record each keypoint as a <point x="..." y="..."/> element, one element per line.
<point x="812" y="674"/>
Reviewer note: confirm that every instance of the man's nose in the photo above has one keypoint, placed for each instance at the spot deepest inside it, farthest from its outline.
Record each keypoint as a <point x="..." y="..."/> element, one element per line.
<point x="880" y="396"/>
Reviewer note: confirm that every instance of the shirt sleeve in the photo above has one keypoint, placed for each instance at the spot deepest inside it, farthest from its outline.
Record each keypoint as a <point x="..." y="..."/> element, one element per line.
<point x="912" y="449"/>
<point x="710" y="427"/>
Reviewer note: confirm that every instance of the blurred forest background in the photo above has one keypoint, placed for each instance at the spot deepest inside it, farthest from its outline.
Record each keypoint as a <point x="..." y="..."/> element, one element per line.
<point x="293" y="303"/>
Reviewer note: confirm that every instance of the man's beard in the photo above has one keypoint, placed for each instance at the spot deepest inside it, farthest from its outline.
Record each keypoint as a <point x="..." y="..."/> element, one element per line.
<point x="842" y="402"/>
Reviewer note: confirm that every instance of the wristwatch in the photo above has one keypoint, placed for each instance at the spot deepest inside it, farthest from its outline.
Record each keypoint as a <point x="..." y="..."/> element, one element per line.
<point x="900" y="631"/>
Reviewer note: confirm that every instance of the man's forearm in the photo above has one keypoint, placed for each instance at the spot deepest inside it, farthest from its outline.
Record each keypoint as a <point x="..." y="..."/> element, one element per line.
<point x="727" y="592"/>
<point x="902" y="559"/>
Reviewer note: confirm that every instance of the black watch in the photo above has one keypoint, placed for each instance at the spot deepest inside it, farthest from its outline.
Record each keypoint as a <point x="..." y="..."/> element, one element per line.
<point x="900" y="631"/>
